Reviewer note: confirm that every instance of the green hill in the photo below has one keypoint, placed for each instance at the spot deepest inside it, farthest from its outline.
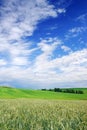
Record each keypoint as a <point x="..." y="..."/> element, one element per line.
<point x="8" y="92"/>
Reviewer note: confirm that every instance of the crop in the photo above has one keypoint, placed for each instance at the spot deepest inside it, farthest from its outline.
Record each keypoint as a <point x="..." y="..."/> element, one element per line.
<point x="26" y="114"/>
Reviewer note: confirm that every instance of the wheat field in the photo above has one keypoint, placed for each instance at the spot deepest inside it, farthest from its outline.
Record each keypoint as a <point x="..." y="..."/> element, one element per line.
<point x="25" y="114"/>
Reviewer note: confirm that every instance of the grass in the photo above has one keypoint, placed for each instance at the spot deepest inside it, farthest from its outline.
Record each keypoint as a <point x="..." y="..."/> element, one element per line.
<point x="8" y="92"/>
<point x="26" y="114"/>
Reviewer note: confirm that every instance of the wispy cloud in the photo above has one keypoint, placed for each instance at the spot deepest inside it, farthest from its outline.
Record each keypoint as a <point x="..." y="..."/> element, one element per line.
<point x="64" y="3"/>
<point x="74" y="32"/>
<point x="65" y="48"/>
<point x="82" y="18"/>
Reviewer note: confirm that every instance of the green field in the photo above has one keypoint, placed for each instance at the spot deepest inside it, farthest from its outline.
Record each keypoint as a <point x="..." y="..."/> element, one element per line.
<point x="6" y="92"/>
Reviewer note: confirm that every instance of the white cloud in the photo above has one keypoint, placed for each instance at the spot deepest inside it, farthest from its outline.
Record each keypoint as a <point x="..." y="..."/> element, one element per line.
<point x="61" y="10"/>
<point x="49" y="45"/>
<point x="20" y="61"/>
<point x="18" y="53"/>
<point x="65" y="48"/>
<point x="70" y="68"/>
<point x="74" y="32"/>
<point x="67" y="69"/>
<point x="19" y="18"/>
<point x="2" y="62"/>
<point x="77" y="29"/>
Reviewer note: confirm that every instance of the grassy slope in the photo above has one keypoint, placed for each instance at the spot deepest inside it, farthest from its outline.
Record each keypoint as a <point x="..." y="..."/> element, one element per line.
<point x="38" y="94"/>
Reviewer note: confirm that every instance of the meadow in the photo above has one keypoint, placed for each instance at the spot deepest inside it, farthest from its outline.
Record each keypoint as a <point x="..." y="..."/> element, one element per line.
<point x="10" y="93"/>
<point x="26" y="114"/>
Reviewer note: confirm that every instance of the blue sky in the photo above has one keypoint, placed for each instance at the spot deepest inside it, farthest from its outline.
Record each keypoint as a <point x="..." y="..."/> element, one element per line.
<point x="43" y="43"/>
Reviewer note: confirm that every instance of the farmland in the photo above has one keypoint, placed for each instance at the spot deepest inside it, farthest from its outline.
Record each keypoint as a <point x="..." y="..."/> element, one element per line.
<point x="26" y="114"/>
<point x="22" y="109"/>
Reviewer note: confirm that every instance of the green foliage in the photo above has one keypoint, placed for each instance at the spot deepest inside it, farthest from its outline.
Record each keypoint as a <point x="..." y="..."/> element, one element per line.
<point x="57" y="90"/>
<point x="25" y="114"/>
<point x="69" y="90"/>
<point x="72" y="91"/>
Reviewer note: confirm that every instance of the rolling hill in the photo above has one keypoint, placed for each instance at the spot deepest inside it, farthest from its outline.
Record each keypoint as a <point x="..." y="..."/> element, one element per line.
<point x="8" y="93"/>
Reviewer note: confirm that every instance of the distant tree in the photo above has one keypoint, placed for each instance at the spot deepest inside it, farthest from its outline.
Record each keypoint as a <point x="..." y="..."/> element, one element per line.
<point x="72" y="91"/>
<point x="64" y="90"/>
<point x="79" y="92"/>
<point x="44" y="89"/>
<point x="50" y="89"/>
<point x="57" y="90"/>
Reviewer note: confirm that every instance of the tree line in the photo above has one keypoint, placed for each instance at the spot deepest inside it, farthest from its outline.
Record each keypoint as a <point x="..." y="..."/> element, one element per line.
<point x="69" y="90"/>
